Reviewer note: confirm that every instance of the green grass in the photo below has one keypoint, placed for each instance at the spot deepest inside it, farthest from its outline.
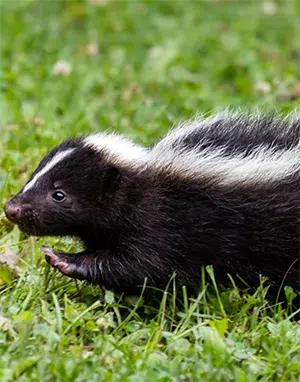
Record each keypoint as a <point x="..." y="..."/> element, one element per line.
<point x="159" y="62"/>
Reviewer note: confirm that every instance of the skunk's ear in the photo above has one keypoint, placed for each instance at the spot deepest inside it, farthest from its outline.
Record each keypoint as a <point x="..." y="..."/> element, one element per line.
<point x="111" y="180"/>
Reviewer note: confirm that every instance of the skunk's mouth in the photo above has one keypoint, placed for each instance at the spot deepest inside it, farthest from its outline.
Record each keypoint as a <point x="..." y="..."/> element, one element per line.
<point x="28" y="225"/>
<point x="28" y="229"/>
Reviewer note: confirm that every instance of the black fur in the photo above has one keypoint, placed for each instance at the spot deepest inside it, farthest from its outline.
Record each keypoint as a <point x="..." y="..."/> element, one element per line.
<point x="234" y="136"/>
<point x="151" y="222"/>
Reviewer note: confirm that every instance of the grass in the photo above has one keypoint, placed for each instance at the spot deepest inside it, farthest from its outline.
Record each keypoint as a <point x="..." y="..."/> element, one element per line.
<point x="158" y="62"/>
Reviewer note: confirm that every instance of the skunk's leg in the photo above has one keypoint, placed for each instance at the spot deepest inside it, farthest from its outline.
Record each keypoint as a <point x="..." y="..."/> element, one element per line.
<point x="101" y="267"/>
<point x="82" y="266"/>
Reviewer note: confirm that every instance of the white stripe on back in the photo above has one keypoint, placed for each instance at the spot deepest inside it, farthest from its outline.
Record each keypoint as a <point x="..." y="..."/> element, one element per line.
<point x="58" y="157"/>
<point x="263" y="165"/>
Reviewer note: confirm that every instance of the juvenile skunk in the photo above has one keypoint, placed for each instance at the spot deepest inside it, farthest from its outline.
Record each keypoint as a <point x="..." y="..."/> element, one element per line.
<point x="223" y="191"/>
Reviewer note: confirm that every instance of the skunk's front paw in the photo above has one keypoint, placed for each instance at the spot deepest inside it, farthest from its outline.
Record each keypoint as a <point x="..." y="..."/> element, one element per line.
<point x="59" y="261"/>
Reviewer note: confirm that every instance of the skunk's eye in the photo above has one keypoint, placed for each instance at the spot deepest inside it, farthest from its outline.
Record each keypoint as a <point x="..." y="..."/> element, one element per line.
<point x="58" y="196"/>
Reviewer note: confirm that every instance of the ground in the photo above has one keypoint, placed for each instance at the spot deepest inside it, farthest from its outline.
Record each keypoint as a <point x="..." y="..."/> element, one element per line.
<point x="136" y="67"/>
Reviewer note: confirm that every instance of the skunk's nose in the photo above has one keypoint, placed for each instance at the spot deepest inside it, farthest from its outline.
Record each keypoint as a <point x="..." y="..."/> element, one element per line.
<point x="12" y="211"/>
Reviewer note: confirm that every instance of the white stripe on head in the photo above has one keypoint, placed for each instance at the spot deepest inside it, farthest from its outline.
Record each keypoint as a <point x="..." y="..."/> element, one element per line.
<point x="58" y="157"/>
<point x="119" y="149"/>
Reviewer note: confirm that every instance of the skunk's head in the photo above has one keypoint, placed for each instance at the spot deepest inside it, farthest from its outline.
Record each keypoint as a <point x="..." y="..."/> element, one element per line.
<point x="72" y="186"/>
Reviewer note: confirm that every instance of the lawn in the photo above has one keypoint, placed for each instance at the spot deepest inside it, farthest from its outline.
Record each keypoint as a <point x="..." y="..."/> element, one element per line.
<point x="135" y="67"/>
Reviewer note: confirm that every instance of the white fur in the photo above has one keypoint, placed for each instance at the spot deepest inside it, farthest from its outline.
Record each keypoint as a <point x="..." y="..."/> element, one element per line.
<point x="213" y="165"/>
<point x="262" y="165"/>
<point x="53" y="162"/>
<point x="119" y="150"/>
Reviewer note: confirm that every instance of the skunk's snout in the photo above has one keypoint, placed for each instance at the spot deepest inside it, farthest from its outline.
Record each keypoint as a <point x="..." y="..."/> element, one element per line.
<point x="13" y="211"/>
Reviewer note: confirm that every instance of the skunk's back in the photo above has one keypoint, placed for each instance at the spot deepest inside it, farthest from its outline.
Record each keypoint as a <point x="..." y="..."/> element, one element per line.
<point x="234" y="148"/>
<point x="236" y="133"/>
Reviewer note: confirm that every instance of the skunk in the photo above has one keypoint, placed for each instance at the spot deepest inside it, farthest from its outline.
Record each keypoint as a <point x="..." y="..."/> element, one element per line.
<point x="221" y="191"/>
